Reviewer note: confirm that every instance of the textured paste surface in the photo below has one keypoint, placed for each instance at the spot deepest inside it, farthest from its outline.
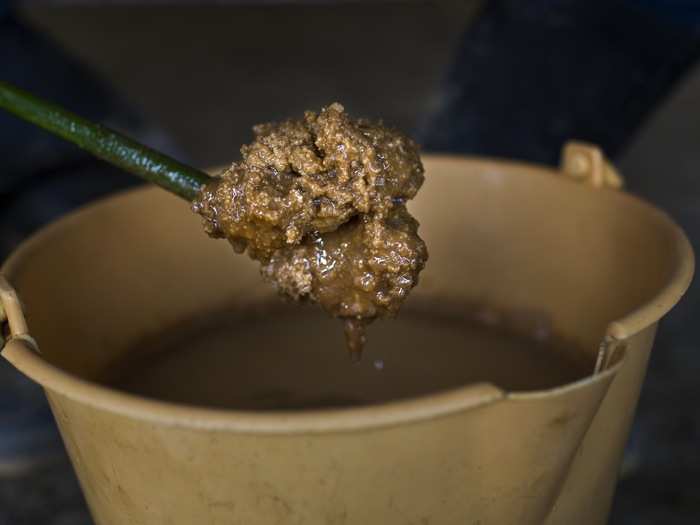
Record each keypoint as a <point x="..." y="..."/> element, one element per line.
<point x="321" y="203"/>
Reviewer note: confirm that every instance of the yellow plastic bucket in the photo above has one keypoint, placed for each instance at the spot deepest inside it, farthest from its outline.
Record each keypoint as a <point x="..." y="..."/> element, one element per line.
<point x="603" y="265"/>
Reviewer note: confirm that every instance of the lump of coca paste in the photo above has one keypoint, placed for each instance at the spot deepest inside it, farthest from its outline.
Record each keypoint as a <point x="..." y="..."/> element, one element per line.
<point x="321" y="203"/>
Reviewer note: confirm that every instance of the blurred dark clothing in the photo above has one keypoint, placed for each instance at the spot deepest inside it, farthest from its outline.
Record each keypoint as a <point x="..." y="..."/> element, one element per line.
<point x="530" y="75"/>
<point x="44" y="176"/>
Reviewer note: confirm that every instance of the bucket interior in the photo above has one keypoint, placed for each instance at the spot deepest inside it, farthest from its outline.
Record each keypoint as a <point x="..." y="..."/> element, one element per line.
<point x="509" y="244"/>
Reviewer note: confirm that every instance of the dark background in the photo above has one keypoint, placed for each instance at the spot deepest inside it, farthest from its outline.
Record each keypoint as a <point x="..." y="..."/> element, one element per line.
<point x="489" y="77"/>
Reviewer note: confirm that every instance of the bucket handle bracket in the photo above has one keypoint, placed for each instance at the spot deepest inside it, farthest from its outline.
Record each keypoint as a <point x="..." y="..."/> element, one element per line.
<point x="610" y="352"/>
<point x="11" y="312"/>
<point x="586" y="163"/>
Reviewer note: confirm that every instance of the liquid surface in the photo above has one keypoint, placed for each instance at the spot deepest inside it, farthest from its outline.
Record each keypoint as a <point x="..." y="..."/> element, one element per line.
<point x="293" y="358"/>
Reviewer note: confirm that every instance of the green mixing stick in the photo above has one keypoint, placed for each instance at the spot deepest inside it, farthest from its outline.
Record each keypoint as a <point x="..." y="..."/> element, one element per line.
<point x="104" y="143"/>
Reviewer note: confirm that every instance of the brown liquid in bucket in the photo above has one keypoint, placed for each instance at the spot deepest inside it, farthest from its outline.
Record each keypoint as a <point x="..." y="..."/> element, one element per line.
<point x="288" y="358"/>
